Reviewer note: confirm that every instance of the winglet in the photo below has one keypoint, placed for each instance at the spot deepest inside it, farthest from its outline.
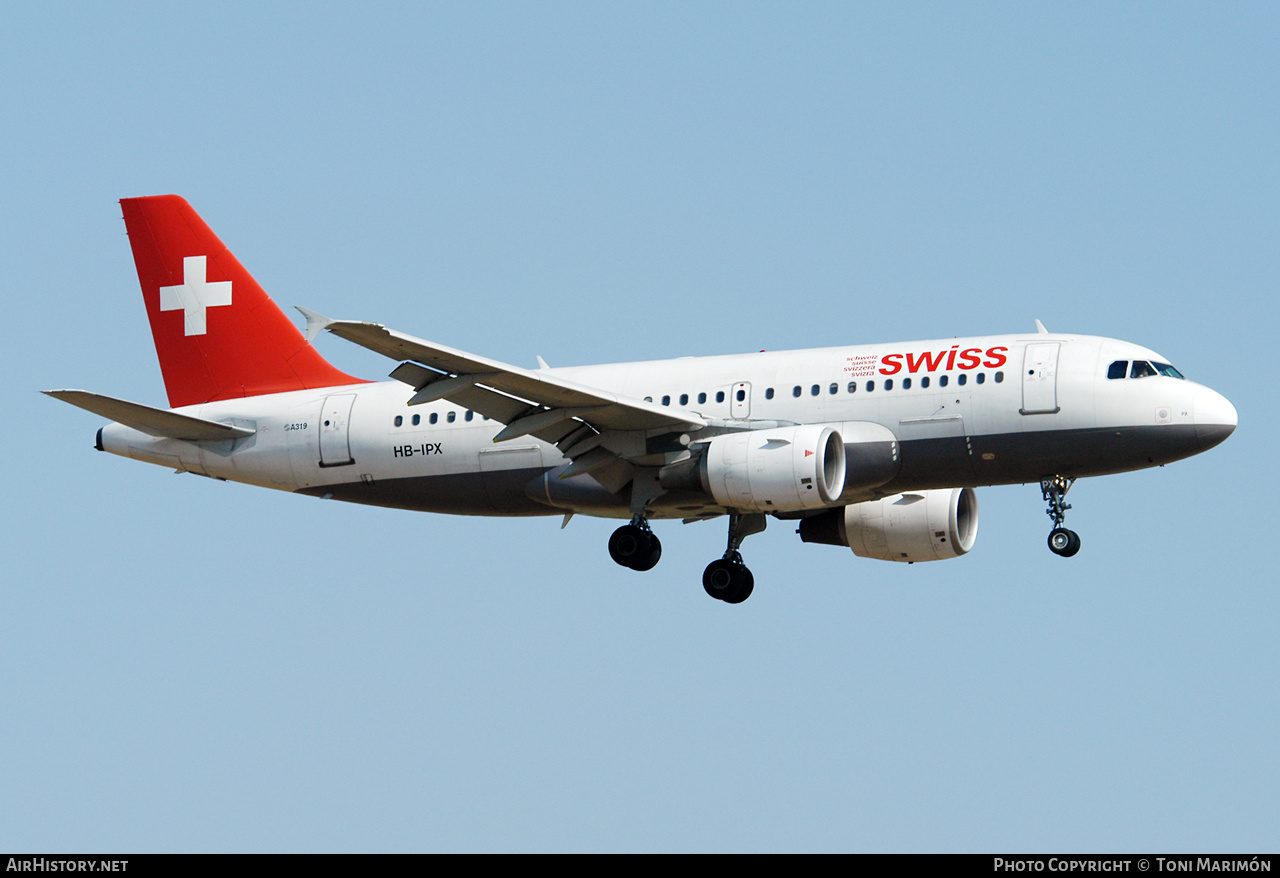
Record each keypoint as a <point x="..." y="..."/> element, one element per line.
<point x="316" y="322"/>
<point x="1040" y="328"/>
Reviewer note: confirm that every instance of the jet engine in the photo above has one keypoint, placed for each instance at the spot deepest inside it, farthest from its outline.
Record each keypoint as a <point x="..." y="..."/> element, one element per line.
<point x="778" y="470"/>
<point x="917" y="526"/>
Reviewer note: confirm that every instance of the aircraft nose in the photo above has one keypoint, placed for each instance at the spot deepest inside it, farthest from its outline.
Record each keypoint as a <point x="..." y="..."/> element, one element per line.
<point x="1215" y="417"/>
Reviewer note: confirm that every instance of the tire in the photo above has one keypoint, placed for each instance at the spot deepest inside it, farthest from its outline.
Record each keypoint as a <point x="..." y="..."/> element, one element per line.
<point x="634" y="547"/>
<point x="728" y="581"/>
<point x="1064" y="542"/>
<point x="649" y="560"/>
<point x="717" y="579"/>
<point x="742" y="588"/>
<point x="627" y="544"/>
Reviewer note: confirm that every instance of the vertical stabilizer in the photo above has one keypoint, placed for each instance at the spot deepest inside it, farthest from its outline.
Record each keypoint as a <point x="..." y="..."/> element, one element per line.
<point x="217" y="333"/>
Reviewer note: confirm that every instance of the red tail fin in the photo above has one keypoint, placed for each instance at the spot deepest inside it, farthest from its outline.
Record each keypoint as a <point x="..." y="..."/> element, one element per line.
<point x="217" y="334"/>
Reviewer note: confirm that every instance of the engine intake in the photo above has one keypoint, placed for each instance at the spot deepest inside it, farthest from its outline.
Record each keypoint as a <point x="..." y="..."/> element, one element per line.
<point x="779" y="470"/>
<point x="917" y="526"/>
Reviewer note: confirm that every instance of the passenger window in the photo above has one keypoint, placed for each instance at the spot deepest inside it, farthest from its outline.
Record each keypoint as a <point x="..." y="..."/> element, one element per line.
<point x="795" y="391"/>
<point x="742" y="394"/>
<point x="942" y="380"/>
<point x="924" y="382"/>
<point x="814" y="390"/>
<point x="888" y="384"/>
<point x="906" y="383"/>
<point x="684" y="399"/>
<point x="768" y="393"/>
<point x="719" y="396"/>
<point x="982" y="377"/>
<point x="1141" y="369"/>
<point x="1118" y="369"/>
<point x="962" y="379"/>
<point x="433" y="417"/>
<point x="451" y="417"/>
<point x="871" y="385"/>
<point x="666" y="400"/>
<point x="702" y="397"/>
<point x="853" y="386"/>
<point x="470" y="415"/>
<point x="999" y="378"/>
<point x="399" y="420"/>
<point x="833" y="389"/>
<point x="417" y="419"/>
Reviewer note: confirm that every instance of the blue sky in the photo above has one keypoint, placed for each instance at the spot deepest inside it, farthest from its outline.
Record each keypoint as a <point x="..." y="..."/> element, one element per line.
<point x="195" y="666"/>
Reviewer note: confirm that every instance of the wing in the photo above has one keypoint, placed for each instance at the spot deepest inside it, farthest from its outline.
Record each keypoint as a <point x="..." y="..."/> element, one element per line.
<point x="595" y="428"/>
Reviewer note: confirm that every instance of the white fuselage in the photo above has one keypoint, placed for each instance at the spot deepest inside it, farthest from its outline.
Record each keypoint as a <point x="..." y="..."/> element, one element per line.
<point x="962" y="412"/>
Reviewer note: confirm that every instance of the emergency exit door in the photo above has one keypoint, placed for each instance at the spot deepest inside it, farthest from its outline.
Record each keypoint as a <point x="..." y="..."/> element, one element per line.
<point x="740" y="401"/>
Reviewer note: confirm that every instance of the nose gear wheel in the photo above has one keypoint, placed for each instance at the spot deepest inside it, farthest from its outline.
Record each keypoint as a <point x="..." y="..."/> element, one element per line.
<point x="1062" y="541"/>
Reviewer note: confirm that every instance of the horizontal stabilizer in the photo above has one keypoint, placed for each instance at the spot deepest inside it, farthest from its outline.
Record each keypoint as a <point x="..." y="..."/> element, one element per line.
<point x="149" y="420"/>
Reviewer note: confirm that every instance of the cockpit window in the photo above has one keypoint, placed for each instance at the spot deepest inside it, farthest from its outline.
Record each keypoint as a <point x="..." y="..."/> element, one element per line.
<point x="1142" y="369"/>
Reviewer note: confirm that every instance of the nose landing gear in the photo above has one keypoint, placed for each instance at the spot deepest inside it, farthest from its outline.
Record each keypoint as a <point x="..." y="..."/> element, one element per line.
<point x="1054" y="490"/>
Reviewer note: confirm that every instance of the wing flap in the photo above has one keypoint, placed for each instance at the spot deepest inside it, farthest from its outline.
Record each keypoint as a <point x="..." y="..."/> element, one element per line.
<point x="490" y="403"/>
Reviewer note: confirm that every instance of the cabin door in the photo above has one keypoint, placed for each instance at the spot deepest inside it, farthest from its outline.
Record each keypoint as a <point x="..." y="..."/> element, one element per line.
<point x="335" y="426"/>
<point x="1040" y="379"/>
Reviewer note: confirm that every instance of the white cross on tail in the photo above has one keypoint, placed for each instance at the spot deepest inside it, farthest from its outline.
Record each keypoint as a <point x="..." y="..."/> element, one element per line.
<point x="195" y="295"/>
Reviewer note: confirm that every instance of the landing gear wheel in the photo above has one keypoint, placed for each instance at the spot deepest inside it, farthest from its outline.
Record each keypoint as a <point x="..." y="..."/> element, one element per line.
<point x="728" y="580"/>
<point x="1064" y="542"/>
<point x="717" y="579"/>
<point x="1054" y="490"/>
<point x="649" y="561"/>
<point x="741" y="589"/>
<point x="634" y="547"/>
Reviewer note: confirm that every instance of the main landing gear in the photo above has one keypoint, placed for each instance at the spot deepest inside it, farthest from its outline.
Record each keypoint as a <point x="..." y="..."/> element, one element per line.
<point x="728" y="579"/>
<point x="1054" y="490"/>
<point x="634" y="545"/>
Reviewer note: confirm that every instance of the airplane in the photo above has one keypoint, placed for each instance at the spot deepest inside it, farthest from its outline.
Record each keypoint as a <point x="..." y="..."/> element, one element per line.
<point x="877" y="448"/>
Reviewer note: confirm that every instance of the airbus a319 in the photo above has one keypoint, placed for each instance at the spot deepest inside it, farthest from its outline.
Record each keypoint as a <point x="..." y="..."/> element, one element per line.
<point x="874" y="447"/>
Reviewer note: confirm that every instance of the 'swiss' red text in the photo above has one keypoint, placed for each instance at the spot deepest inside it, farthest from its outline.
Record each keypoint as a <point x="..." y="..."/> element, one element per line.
<point x="944" y="361"/>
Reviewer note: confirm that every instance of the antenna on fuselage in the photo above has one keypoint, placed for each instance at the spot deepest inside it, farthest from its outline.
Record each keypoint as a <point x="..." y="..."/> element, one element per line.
<point x="1040" y="328"/>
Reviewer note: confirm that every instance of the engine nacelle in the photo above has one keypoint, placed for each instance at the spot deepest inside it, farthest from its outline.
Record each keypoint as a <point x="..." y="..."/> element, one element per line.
<point x="917" y="526"/>
<point x="779" y="470"/>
